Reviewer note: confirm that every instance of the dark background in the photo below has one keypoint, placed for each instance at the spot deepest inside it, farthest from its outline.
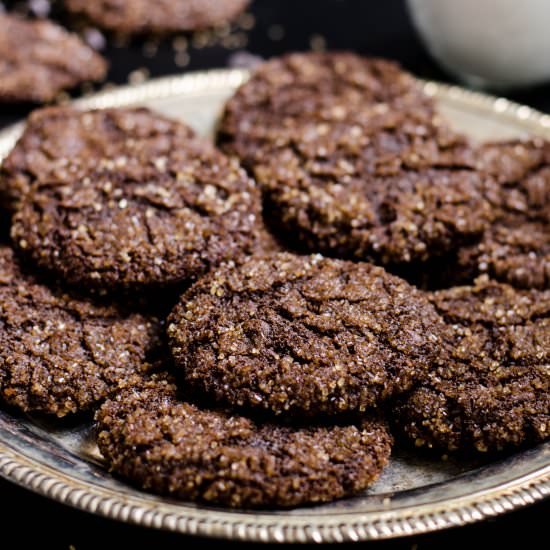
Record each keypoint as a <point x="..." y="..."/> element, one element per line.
<point x="368" y="27"/>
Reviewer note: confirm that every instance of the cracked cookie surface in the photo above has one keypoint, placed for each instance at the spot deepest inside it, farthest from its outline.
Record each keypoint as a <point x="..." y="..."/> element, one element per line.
<point x="130" y="199"/>
<point x="303" y="334"/>
<point x="353" y="159"/>
<point x="367" y="102"/>
<point x="515" y="248"/>
<point x="168" y="446"/>
<point x="62" y="354"/>
<point x="493" y="391"/>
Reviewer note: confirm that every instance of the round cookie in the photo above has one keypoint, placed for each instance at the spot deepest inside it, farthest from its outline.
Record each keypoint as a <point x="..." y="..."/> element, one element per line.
<point x="410" y="217"/>
<point x="493" y="391"/>
<point x="354" y="161"/>
<point x="323" y="102"/>
<point x="515" y="248"/>
<point x="303" y="334"/>
<point x="168" y="446"/>
<point x="125" y="198"/>
<point x="63" y="145"/>
<point x="139" y="16"/>
<point x="62" y="354"/>
<point x="38" y="59"/>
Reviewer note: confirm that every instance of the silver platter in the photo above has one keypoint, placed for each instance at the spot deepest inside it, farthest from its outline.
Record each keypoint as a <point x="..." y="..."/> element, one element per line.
<point x="417" y="492"/>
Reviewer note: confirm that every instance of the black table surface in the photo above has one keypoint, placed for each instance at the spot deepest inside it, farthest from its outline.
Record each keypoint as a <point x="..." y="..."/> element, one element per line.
<point x="379" y="28"/>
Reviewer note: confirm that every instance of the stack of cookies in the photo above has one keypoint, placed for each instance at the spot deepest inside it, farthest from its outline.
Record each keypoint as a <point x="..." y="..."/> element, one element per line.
<point x="249" y="323"/>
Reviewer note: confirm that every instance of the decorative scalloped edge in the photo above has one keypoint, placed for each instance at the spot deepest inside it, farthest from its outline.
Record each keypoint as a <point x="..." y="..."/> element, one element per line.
<point x="382" y="526"/>
<point x="368" y="526"/>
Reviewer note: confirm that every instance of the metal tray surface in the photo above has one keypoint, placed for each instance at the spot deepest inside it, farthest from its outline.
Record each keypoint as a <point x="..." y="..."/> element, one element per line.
<point x="418" y="492"/>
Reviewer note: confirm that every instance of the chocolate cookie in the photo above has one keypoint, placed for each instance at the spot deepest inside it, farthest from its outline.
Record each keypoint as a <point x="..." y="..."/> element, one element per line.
<point x="493" y="390"/>
<point x="354" y="160"/>
<point x="165" y="445"/>
<point x="303" y="334"/>
<point x="304" y="100"/>
<point x="63" y="145"/>
<point x="394" y="220"/>
<point x="515" y="248"/>
<point x="126" y="198"/>
<point x="61" y="354"/>
<point x="38" y="59"/>
<point x="142" y="16"/>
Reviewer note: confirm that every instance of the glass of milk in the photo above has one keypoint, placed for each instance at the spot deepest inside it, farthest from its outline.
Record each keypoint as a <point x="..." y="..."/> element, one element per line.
<point x="499" y="44"/>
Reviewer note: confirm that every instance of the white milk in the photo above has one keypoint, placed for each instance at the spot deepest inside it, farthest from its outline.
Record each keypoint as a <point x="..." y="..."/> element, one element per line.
<point x="489" y="43"/>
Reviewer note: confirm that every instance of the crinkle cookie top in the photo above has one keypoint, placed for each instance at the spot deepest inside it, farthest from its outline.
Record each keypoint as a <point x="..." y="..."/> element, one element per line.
<point x="125" y="198"/>
<point x="354" y="160"/>
<point x="305" y="334"/>
<point x="307" y="100"/>
<point x="493" y="391"/>
<point x="515" y="248"/>
<point x="60" y="353"/>
<point x="152" y="438"/>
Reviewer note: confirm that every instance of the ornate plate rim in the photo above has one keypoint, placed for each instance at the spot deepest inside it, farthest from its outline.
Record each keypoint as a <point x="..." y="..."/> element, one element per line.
<point x="262" y="527"/>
